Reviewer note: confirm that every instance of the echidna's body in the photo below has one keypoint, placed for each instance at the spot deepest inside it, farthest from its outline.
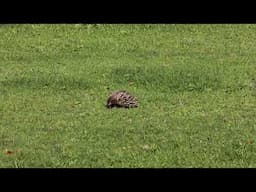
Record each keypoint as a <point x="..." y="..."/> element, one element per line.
<point x="121" y="99"/>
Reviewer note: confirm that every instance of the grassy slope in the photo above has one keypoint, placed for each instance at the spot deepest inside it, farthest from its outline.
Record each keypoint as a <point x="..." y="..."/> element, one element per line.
<point x="195" y="83"/>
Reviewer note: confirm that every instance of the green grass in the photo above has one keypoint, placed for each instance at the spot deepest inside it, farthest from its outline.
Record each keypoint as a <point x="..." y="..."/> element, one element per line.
<point x="196" y="85"/>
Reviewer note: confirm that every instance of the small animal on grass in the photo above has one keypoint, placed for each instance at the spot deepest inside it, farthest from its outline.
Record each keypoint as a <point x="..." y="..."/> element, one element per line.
<point x="121" y="99"/>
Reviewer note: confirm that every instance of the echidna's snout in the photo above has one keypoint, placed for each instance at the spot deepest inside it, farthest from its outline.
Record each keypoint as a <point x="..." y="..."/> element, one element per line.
<point x="108" y="105"/>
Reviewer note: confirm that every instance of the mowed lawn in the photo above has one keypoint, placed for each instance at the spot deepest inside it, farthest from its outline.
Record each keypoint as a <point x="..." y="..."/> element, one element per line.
<point x="196" y="85"/>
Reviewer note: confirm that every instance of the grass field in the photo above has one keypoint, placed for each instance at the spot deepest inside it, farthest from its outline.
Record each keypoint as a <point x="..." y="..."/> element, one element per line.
<point x="196" y="85"/>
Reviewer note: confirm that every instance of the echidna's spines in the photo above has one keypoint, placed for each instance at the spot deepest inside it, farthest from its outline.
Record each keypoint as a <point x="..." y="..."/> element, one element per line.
<point x="121" y="99"/>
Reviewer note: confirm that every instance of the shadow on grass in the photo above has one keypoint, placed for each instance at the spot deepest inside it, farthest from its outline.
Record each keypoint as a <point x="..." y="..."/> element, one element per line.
<point x="177" y="78"/>
<point x="46" y="81"/>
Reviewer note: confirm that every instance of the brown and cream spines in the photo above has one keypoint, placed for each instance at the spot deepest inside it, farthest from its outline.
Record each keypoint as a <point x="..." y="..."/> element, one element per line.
<point x="121" y="99"/>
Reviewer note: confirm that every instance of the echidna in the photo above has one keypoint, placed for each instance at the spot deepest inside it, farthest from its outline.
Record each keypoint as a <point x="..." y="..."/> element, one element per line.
<point x="121" y="99"/>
